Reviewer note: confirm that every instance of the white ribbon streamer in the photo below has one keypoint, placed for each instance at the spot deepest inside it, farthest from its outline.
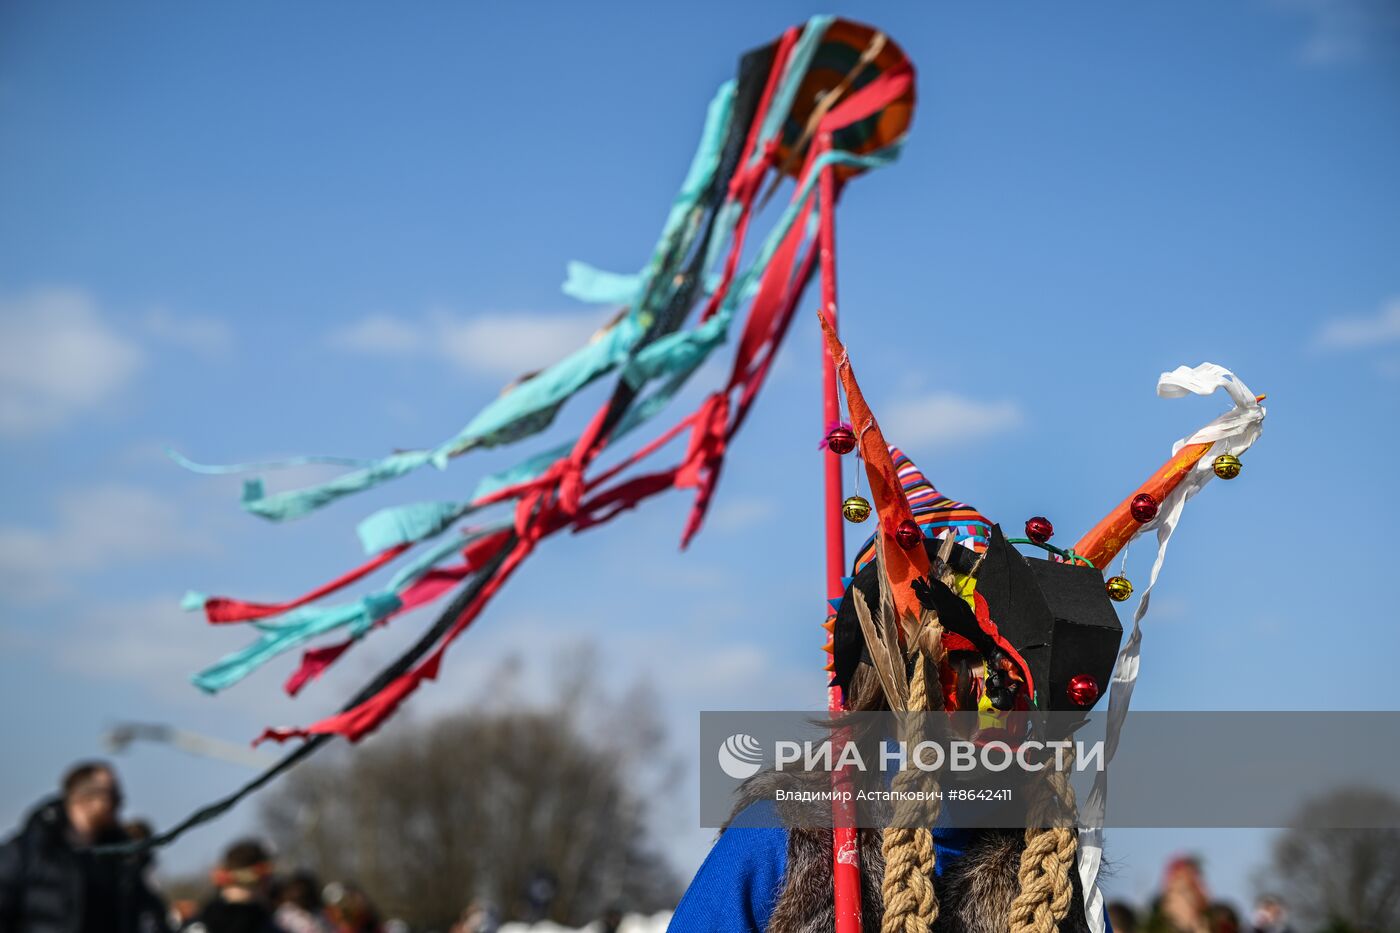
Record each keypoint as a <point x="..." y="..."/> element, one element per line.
<point x="1231" y="433"/>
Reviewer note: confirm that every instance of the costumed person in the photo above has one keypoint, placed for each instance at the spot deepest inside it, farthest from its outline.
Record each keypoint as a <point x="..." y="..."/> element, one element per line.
<point x="943" y="613"/>
<point x="51" y="882"/>
<point x="1184" y="905"/>
<point x="351" y="910"/>
<point x="964" y="656"/>
<point x="240" y="905"/>
<point x="299" y="905"/>
<point x="480" y="916"/>
<point x="1270" y="916"/>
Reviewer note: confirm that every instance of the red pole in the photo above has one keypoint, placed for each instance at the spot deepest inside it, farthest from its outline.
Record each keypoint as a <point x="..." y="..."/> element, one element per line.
<point x="845" y="846"/>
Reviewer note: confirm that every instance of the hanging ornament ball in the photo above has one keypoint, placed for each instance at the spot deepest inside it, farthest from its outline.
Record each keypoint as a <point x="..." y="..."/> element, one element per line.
<point x="1227" y="466"/>
<point x="1083" y="690"/>
<point x="841" y="439"/>
<point x="1039" y="529"/>
<point x="908" y="534"/>
<point x="1119" y="588"/>
<point x="1143" y="508"/>
<point x="856" y="509"/>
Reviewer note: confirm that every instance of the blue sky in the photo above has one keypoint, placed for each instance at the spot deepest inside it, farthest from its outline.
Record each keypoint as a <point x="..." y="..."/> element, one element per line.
<point x="252" y="230"/>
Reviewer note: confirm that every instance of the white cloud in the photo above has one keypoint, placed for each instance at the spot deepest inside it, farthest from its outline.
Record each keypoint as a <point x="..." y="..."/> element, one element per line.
<point x="1341" y="32"/>
<point x="144" y="641"/>
<point x="945" y="416"/>
<point x="381" y="335"/>
<point x="496" y="343"/>
<point x="719" y="670"/>
<point x="1347" y="333"/>
<point x="742" y="514"/>
<point x="207" y="336"/>
<point x="513" y="343"/>
<point x="153" y="644"/>
<point x="58" y="359"/>
<point x="95" y="528"/>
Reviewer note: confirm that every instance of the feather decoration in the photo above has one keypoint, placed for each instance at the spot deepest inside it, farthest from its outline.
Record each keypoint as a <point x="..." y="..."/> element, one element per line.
<point x="945" y="551"/>
<point x="930" y="638"/>
<point x="885" y="653"/>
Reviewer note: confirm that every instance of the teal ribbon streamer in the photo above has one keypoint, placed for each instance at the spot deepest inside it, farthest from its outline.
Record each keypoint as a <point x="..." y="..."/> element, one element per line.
<point x="528" y="469"/>
<point x="682" y="221"/>
<point x="296" y="628"/>
<point x="797" y="64"/>
<point x="223" y="469"/>
<point x="407" y="524"/>
<point x="596" y="287"/>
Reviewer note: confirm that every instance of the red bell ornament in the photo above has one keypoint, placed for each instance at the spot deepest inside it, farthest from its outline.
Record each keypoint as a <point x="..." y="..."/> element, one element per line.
<point x="1143" y="508"/>
<point x="908" y="534"/>
<point x="841" y="439"/>
<point x="1083" y="690"/>
<point x="1039" y="529"/>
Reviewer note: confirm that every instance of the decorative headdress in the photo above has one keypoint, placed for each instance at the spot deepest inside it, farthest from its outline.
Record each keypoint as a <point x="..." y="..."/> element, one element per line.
<point x="1050" y="617"/>
<point x="1044" y="627"/>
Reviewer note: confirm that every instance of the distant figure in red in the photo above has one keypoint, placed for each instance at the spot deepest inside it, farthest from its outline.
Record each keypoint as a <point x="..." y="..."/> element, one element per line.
<point x="1184" y="905"/>
<point x="351" y="910"/>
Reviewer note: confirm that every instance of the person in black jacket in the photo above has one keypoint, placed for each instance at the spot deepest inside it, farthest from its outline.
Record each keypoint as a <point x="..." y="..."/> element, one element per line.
<point x="241" y="904"/>
<point x="51" y="881"/>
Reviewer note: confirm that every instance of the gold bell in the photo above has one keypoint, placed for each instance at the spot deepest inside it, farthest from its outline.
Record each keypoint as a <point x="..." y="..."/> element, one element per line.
<point x="1227" y="466"/>
<point x="1119" y="588"/>
<point x="856" y="509"/>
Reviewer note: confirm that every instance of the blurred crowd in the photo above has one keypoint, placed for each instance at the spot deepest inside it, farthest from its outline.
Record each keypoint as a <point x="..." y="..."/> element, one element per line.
<point x="1184" y="905"/>
<point x="51" y="881"/>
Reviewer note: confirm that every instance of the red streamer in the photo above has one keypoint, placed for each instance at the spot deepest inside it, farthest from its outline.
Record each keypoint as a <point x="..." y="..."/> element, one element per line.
<point x="222" y="609"/>
<point x="424" y="590"/>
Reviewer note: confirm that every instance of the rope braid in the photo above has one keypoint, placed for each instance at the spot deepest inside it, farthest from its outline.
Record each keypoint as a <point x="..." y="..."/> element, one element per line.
<point x="911" y="904"/>
<point x="1046" y="862"/>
